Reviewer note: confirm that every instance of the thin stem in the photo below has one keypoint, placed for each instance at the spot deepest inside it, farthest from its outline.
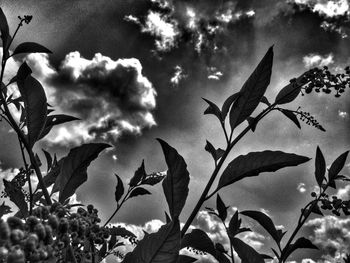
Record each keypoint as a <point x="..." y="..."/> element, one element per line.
<point x="225" y="132"/>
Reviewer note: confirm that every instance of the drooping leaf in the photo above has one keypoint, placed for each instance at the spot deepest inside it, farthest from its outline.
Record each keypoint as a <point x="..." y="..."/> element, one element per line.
<point x="212" y="109"/>
<point x="30" y="47"/>
<point x="292" y="117"/>
<point x="160" y="247"/>
<point x="73" y="172"/>
<point x="337" y="166"/>
<point x="119" y="189"/>
<point x="17" y="197"/>
<point x="227" y="104"/>
<point x="4" y="209"/>
<point x="252" y="91"/>
<point x="153" y="178"/>
<point x="320" y="167"/>
<point x="198" y="240"/>
<point x="34" y="99"/>
<point x="53" y="120"/>
<point x="175" y="184"/>
<point x="246" y="253"/>
<point x="185" y="259"/>
<point x="139" y="191"/>
<point x="48" y="159"/>
<point x="221" y="207"/>
<point x="139" y="174"/>
<point x="255" y="163"/>
<point x="265" y="221"/>
<point x="301" y="242"/>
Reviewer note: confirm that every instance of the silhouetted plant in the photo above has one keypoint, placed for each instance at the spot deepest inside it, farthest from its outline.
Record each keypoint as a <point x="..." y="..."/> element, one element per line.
<point x="48" y="230"/>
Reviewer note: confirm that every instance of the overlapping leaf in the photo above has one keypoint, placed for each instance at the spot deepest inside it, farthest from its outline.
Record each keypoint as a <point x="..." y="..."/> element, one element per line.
<point x="300" y="243"/>
<point x="198" y="240"/>
<point x="30" y="47"/>
<point x="290" y="115"/>
<point x="53" y="120"/>
<point x="246" y="253"/>
<point x="17" y="197"/>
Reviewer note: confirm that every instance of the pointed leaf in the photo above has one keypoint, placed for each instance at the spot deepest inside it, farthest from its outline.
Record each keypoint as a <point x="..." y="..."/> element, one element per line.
<point x="337" y="166"/>
<point x="48" y="159"/>
<point x="291" y="91"/>
<point x="153" y="178"/>
<point x="210" y="148"/>
<point x="34" y="99"/>
<point x="316" y="209"/>
<point x="139" y="191"/>
<point x="291" y="116"/>
<point x="175" y="184"/>
<point x="246" y="253"/>
<point x="139" y="174"/>
<point x="265" y="101"/>
<point x="53" y="120"/>
<point x="160" y="247"/>
<point x="220" y="206"/>
<point x="198" y="240"/>
<point x="4" y="29"/>
<point x="227" y="104"/>
<point x="185" y="259"/>
<point x="30" y="47"/>
<point x="301" y="242"/>
<point x="255" y="163"/>
<point x="74" y="169"/>
<point x="234" y="225"/>
<point x="112" y="241"/>
<point x="103" y="250"/>
<point x="320" y="166"/>
<point x="252" y="91"/>
<point x="252" y="122"/>
<point x="16" y="196"/>
<point x="4" y="209"/>
<point x="265" y="221"/>
<point x="213" y="109"/>
<point x="119" y="189"/>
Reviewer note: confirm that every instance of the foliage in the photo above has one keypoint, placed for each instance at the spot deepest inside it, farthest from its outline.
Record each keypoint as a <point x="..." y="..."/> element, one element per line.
<point x="48" y="230"/>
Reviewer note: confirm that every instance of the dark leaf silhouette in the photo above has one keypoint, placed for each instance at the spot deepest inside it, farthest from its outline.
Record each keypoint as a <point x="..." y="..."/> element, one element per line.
<point x="153" y="178"/>
<point x="185" y="259"/>
<point x="139" y="191"/>
<point x="292" y="117"/>
<point x="34" y="99"/>
<point x="198" y="240"/>
<point x="246" y="252"/>
<point x="4" y="209"/>
<point x="139" y="174"/>
<point x="119" y="189"/>
<point x="112" y="241"/>
<point x="265" y="101"/>
<point x="221" y="207"/>
<point x="252" y="91"/>
<point x="252" y="122"/>
<point x="291" y="91"/>
<point x="234" y="225"/>
<point x="320" y="166"/>
<point x="74" y="168"/>
<point x="301" y="242"/>
<point x="316" y="209"/>
<point x="227" y="104"/>
<point x="53" y="120"/>
<point x="337" y="166"/>
<point x="175" y="184"/>
<point x="265" y="221"/>
<point x="4" y="29"/>
<point x="30" y="47"/>
<point x="48" y="159"/>
<point x="213" y="109"/>
<point x="255" y="163"/>
<point x="121" y="232"/>
<point x="103" y="250"/>
<point x="160" y="247"/>
<point x="17" y="197"/>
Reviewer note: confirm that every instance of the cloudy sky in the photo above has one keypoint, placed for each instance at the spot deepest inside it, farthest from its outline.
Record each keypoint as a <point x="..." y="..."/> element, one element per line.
<point x="136" y="70"/>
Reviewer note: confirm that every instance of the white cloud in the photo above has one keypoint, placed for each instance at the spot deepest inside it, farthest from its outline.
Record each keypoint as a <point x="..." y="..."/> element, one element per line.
<point x="178" y="76"/>
<point x="301" y="188"/>
<point x="316" y="60"/>
<point x="214" y="73"/>
<point x="328" y="8"/>
<point x="342" y="114"/>
<point x="344" y="193"/>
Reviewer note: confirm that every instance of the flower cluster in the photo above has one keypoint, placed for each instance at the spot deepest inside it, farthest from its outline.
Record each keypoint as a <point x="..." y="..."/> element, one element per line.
<point x="335" y="204"/>
<point x="308" y="119"/>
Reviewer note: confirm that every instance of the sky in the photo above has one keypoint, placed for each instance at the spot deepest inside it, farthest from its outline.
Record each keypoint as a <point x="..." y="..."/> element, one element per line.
<point x="136" y="70"/>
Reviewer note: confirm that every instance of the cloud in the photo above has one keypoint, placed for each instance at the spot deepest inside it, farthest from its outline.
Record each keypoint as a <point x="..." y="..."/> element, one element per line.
<point x="344" y="193"/>
<point x="316" y="60"/>
<point x="301" y="188"/>
<point x="331" y="235"/>
<point x="342" y="114"/>
<point x="112" y="97"/>
<point x="178" y="76"/>
<point x="214" y="74"/>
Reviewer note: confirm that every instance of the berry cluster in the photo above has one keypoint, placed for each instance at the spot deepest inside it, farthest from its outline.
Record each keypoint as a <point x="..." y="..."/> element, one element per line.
<point x="18" y="182"/>
<point x="335" y="205"/>
<point x="308" y="119"/>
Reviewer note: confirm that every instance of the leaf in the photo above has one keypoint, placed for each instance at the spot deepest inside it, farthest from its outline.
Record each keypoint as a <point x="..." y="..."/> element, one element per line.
<point x="213" y="109"/>
<point x="119" y="189"/>
<point x="112" y="241"/>
<point x="291" y="91"/>
<point x="221" y="207"/>
<point x="316" y="209"/>
<point x="216" y="153"/>
<point x="122" y="232"/>
<point x="252" y="91"/>
<point x="139" y="191"/>
<point x="16" y="196"/>
<point x="291" y="116"/>
<point x="301" y="242"/>
<point x="4" y="209"/>
<point x="139" y="174"/>
<point x="74" y="168"/>
<point x="30" y="47"/>
<point x="246" y="252"/>
<point x="34" y="99"/>
<point x="255" y="163"/>
<point x="227" y="104"/>
<point x="153" y="178"/>
<point x="337" y="166"/>
<point x="252" y="122"/>
<point x="5" y="33"/>
<point x="160" y="247"/>
<point x="265" y="101"/>
<point x="185" y="259"/>
<point x="234" y="225"/>
<point x="103" y="250"/>
<point x="48" y="159"/>
<point x="265" y="221"/>
<point x="175" y="184"/>
<point x="53" y="120"/>
<point x="198" y="240"/>
<point x="320" y="166"/>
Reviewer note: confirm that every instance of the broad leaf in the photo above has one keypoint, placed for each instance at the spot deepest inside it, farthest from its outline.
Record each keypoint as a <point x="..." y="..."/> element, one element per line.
<point x="17" y="197"/>
<point x="213" y="109"/>
<point x="53" y="120"/>
<point x="34" y="99"/>
<point x="265" y="221"/>
<point x="4" y="209"/>
<point x="198" y="240"/>
<point x="73" y="172"/>
<point x="153" y="178"/>
<point x="252" y="91"/>
<point x="119" y="189"/>
<point x="175" y="184"/>
<point x="139" y="174"/>
<point x="227" y="104"/>
<point x="139" y="191"/>
<point x="185" y="259"/>
<point x="337" y="166"/>
<point x="291" y="91"/>
<point x="30" y="47"/>
<point x="301" y="242"/>
<point x="320" y="166"/>
<point x="255" y="163"/>
<point x="160" y="247"/>
<point x="246" y="253"/>
<point x="221" y="207"/>
<point x="291" y="116"/>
